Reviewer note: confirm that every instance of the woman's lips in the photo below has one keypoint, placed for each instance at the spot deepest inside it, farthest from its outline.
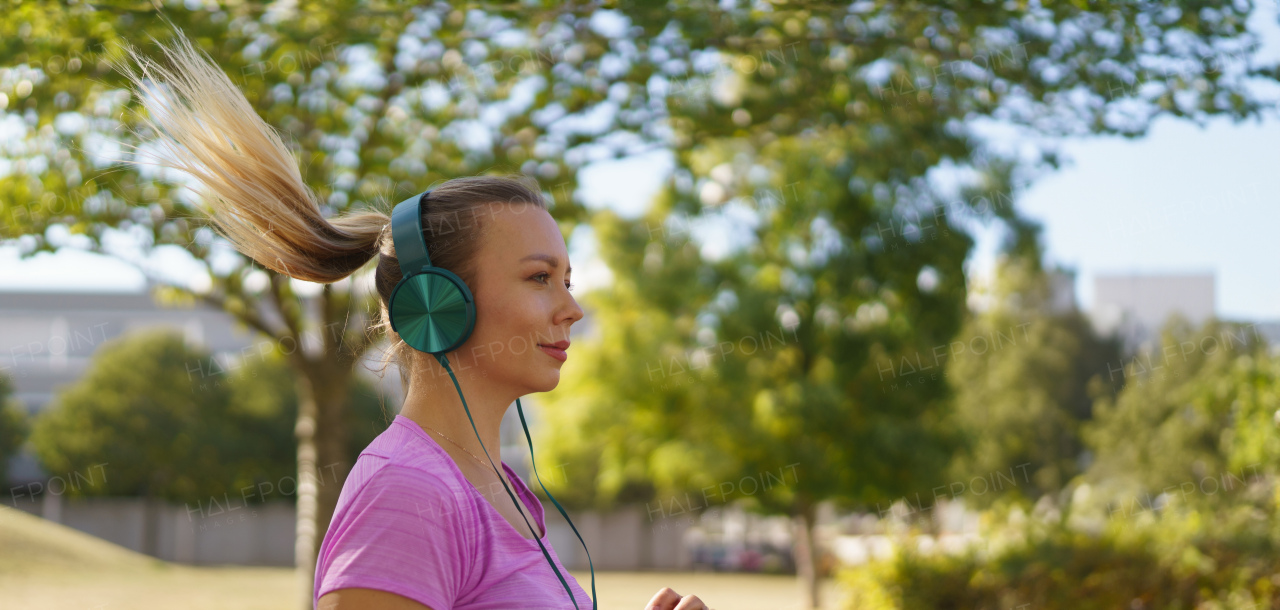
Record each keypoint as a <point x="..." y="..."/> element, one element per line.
<point x="558" y="354"/>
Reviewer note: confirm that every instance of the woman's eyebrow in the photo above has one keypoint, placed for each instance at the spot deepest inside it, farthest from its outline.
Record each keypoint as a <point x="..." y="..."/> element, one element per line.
<point x="553" y="261"/>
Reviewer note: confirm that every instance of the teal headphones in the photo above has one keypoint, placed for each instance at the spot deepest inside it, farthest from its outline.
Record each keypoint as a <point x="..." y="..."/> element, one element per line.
<point x="433" y="310"/>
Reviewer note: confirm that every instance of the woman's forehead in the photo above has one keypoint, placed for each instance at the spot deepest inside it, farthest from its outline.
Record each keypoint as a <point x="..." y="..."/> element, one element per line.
<point x="531" y="234"/>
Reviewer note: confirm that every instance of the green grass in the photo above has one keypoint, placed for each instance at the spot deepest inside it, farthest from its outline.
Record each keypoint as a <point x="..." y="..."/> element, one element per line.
<point x="46" y="566"/>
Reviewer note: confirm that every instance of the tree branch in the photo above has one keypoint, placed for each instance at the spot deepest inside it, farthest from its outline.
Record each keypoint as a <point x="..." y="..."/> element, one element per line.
<point x="277" y="297"/>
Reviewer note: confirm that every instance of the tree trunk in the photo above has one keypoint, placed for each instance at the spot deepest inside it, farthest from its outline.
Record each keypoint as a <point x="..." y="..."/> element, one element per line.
<point x="306" y="547"/>
<point x="323" y="462"/>
<point x="805" y="551"/>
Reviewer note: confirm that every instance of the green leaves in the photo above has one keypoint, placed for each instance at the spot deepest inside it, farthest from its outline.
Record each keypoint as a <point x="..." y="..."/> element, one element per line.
<point x="14" y="423"/>
<point x="163" y="419"/>
<point x="1199" y="404"/>
<point x="138" y="410"/>
<point x="1023" y="399"/>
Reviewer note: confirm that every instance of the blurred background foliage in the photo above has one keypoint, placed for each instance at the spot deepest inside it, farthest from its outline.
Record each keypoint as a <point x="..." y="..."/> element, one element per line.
<point x="1224" y="557"/>
<point x="14" y="424"/>
<point x="172" y="425"/>
<point x="1022" y="402"/>
<point x="1179" y="506"/>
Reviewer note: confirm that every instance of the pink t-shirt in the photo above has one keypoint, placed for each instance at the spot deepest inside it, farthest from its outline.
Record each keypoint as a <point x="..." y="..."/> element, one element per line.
<point x="408" y="522"/>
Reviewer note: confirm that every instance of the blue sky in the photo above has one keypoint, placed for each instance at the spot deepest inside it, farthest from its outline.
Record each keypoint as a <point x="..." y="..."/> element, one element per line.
<point x="1182" y="199"/>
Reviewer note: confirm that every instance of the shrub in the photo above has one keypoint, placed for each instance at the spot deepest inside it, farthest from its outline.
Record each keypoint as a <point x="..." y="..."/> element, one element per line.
<point x="1187" y="559"/>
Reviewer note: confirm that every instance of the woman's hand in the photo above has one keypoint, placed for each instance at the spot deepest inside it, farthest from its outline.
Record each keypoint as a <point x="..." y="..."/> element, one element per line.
<point x="666" y="599"/>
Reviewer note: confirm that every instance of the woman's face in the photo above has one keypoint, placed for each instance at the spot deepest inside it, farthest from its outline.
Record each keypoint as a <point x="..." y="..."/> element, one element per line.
<point x="522" y="300"/>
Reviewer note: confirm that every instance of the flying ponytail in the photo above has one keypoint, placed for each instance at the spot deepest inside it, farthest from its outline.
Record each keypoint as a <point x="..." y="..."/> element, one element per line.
<point x="208" y="129"/>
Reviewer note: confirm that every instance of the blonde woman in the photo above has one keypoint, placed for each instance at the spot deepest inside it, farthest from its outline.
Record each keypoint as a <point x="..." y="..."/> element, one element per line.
<point x="413" y="528"/>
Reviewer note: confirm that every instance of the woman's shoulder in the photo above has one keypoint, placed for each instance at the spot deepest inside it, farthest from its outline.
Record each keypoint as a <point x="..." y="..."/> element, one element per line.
<point x="398" y="484"/>
<point x="398" y="503"/>
<point x="403" y="475"/>
<point x="399" y="454"/>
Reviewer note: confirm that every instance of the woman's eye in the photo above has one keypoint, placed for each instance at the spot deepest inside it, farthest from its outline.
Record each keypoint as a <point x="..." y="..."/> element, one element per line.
<point x="542" y="275"/>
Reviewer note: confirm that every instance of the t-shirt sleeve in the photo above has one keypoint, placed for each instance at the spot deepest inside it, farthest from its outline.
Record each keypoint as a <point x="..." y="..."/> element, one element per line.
<point x="403" y="532"/>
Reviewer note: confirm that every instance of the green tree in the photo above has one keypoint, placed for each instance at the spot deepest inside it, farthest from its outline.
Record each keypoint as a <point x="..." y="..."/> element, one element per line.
<point x="137" y="412"/>
<point x="706" y="374"/>
<point x="1023" y="393"/>
<point x="150" y="418"/>
<point x="1254" y="439"/>
<point x="1188" y="410"/>
<point x="150" y="400"/>
<point x="14" y="425"/>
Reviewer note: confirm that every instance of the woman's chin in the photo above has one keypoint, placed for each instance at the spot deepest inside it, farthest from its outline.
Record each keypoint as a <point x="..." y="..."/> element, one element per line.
<point x="549" y="381"/>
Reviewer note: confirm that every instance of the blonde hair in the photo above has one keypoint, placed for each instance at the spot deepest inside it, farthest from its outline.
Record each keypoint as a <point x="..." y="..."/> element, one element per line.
<point x="260" y="203"/>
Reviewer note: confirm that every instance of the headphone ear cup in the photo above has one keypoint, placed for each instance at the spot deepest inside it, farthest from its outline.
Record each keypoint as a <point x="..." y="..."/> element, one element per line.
<point x="433" y="311"/>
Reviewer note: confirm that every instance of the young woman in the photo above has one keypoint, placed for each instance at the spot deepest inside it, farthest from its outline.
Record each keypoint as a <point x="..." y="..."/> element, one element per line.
<point x="422" y="521"/>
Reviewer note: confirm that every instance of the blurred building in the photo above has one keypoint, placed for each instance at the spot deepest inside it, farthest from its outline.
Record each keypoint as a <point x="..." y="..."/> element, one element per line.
<point x="47" y="338"/>
<point x="1136" y="306"/>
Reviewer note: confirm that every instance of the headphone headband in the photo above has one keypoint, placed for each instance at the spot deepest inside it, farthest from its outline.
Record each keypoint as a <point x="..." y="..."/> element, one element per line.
<point x="406" y="231"/>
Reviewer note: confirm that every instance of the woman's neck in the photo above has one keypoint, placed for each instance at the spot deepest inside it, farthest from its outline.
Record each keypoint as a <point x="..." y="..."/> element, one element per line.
<point x="437" y="408"/>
